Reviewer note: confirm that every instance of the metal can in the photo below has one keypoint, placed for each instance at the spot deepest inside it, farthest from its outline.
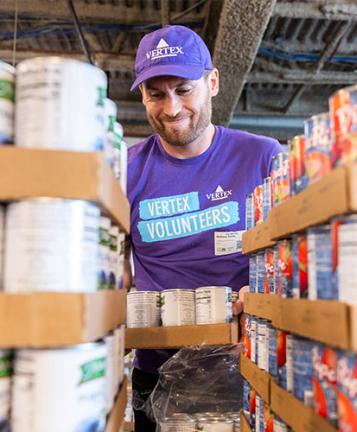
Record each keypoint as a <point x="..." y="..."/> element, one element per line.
<point x="280" y="178"/>
<point x="5" y="388"/>
<point x="290" y="363"/>
<point x="343" y="113"/>
<point x="76" y="379"/>
<point x="253" y="340"/>
<point x="347" y="390"/>
<point x="311" y="259"/>
<point x="7" y="106"/>
<point x="298" y="179"/>
<point x="247" y="335"/>
<point x="246" y="398"/>
<point x="281" y="358"/>
<point x="300" y="266"/>
<point x="110" y="382"/>
<point x="263" y="345"/>
<point x="346" y="259"/>
<point x="143" y="309"/>
<point x="213" y="305"/>
<point x="113" y="257"/>
<point x="285" y="268"/>
<point x="104" y="248"/>
<point x="178" y="423"/>
<point x="249" y="211"/>
<point x="258" y="204"/>
<point x="302" y="369"/>
<point x="318" y="147"/>
<point x="119" y="334"/>
<point x="110" y="114"/>
<point x="324" y="362"/>
<point x="215" y="424"/>
<point x="234" y="297"/>
<point x="178" y="307"/>
<point x="269" y="271"/>
<point x="60" y="104"/>
<point x="267" y="198"/>
<point x="43" y="236"/>
<point x="276" y="267"/>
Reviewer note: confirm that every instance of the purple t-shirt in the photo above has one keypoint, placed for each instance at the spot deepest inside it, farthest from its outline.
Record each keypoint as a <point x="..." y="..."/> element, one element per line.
<point x="188" y="215"/>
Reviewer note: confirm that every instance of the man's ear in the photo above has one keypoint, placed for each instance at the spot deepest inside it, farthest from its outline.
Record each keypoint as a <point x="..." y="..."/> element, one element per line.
<point x="214" y="82"/>
<point x="141" y="88"/>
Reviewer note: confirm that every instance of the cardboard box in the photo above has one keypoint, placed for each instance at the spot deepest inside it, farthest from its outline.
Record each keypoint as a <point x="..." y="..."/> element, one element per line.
<point x="352" y="311"/>
<point x="29" y="173"/>
<point x="333" y="195"/>
<point x="262" y="305"/>
<point x="257" y="238"/>
<point x="244" y="423"/>
<point x="50" y="319"/>
<point x="181" y="336"/>
<point x="257" y="378"/>
<point x="116" y="416"/>
<point x="322" y="320"/>
<point x="298" y="416"/>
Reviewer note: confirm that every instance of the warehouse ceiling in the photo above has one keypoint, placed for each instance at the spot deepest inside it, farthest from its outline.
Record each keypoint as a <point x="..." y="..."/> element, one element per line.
<point x="279" y="60"/>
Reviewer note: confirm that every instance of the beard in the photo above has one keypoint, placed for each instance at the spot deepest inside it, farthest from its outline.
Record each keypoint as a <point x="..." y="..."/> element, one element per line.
<point x="180" y="136"/>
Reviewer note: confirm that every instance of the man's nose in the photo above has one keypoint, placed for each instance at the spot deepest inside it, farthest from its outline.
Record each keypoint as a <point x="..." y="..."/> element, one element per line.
<point x="172" y="105"/>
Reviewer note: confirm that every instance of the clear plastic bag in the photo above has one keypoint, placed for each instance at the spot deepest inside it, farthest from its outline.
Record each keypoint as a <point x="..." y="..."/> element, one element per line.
<point x="198" y="381"/>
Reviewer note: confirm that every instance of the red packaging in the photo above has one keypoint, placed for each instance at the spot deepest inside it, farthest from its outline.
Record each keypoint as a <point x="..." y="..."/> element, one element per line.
<point x="300" y="266"/>
<point x="285" y="268"/>
<point x="280" y="178"/>
<point x="297" y="164"/>
<point x="268" y="419"/>
<point x="258" y="204"/>
<point x="347" y="391"/>
<point x="269" y="271"/>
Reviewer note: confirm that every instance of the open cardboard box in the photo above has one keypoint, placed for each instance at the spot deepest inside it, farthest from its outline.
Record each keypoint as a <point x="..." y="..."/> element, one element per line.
<point x="297" y="415"/>
<point x="257" y="378"/>
<point x="30" y="173"/>
<point x="244" y="423"/>
<point x="116" y="415"/>
<point x="50" y="319"/>
<point x="333" y="195"/>
<point x="181" y="336"/>
<point x="257" y="238"/>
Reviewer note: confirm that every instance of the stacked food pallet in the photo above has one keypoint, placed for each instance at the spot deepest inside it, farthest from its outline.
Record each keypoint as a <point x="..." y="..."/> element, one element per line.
<point x="300" y="343"/>
<point x="62" y="313"/>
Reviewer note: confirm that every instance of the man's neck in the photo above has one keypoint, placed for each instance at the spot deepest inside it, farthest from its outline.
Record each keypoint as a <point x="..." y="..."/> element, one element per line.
<point x="195" y="148"/>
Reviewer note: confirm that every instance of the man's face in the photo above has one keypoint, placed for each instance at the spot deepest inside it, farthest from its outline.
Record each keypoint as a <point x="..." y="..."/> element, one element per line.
<point x="178" y="110"/>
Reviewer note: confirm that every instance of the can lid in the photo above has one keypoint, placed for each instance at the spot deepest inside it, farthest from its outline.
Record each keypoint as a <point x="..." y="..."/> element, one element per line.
<point x="7" y="67"/>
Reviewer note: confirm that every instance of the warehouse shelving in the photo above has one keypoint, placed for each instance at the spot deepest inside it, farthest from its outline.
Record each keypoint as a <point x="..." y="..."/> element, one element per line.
<point x="180" y="336"/>
<point x="116" y="416"/>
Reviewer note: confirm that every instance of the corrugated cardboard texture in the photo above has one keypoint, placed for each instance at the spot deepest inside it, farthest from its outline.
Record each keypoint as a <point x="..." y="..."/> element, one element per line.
<point x="257" y="238"/>
<point x="116" y="416"/>
<point x="28" y="173"/>
<point x="47" y="319"/>
<point x="353" y="327"/>
<point x="262" y="305"/>
<point x="180" y="336"/>
<point x="326" y="198"/>
<point x="257" y="378"/>
<point x="300" y="417"/>
<point x="244" y="424"/>
<point x="322" y="320"/>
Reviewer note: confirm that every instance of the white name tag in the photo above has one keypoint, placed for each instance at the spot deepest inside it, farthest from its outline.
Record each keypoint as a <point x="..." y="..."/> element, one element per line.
<point x="227" y="242"/>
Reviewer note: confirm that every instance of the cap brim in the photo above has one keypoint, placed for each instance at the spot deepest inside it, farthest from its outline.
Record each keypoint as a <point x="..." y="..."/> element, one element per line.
<point x="188" y="72"/>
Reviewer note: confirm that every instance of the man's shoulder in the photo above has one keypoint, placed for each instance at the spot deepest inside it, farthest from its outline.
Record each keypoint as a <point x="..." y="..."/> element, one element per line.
<point x="251" y="140"/>
<point x="141" y="148"/>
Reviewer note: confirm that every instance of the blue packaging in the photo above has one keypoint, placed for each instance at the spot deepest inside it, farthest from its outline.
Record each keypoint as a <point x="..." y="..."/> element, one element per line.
<point x="267" y="195"/>
<point x="249" y="211"/>
<point x="246" y="398"/>
<point x="273" y="358"/>
<point x="260" y="273"/>
<point x="259" y="414"/>
<point x="276" y="269"/>
<point x="302" y="369"/>
<point x="253" y="273"/>
<point x="347" y="390"/>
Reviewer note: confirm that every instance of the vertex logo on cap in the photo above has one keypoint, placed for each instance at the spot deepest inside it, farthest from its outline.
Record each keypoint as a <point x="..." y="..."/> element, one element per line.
<point x="164" y="50"/>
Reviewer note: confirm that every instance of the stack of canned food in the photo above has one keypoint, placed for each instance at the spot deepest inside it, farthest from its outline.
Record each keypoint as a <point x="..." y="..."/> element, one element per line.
<point x="320" y="376"/>
<point x="61" y="389"/>
<point x="175" y="307"/>
<point x="329" y="141"/>
<point x="317" y="263"/>
<point x="201" y="422"/>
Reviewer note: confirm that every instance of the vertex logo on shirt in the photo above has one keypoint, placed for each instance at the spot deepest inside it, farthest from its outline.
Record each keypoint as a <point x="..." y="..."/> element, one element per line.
<point x="219" y="194"/>
<point x="178" y="216"/>
<point x="164" y="50"/>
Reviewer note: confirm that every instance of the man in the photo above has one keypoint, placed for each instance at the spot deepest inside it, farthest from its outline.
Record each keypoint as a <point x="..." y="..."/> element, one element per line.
<point x="186" y="184"/>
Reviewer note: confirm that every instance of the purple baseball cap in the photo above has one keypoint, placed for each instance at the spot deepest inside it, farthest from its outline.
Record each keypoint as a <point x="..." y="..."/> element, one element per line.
<point x="173" y="51"/>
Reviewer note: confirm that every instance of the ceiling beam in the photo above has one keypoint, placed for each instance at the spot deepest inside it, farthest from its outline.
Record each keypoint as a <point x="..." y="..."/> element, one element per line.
<point x="106" y="12"/>
<point x="301" y="77"/>
<point x="106" y="61"/>
<point x="241" y="28"/>
<point x="318" y="9"/>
